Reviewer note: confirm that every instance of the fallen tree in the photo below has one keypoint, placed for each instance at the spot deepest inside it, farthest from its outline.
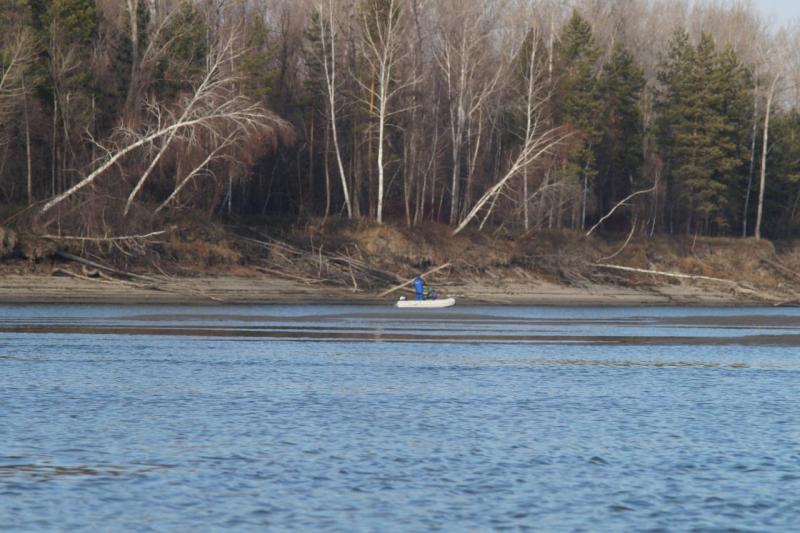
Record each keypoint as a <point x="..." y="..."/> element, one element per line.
<point x="734" y="285"/>
<point x="214" y="119"/>
<point x="536" y="140"/>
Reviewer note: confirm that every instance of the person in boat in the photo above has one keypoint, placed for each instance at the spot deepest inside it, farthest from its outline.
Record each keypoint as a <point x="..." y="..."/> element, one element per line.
<point x="431" y="293"/>
<point x="419" y="288"/>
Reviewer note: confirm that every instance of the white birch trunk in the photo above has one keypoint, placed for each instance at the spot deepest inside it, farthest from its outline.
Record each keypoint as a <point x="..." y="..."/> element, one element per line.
<point x="764" y="148"/>
<point x="330" y="85"/>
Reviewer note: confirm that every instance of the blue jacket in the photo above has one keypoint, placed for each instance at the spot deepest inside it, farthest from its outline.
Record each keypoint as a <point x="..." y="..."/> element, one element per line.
<point x="419" y="285"/>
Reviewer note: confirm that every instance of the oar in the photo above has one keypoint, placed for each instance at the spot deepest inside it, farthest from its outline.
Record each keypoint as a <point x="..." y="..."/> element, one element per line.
<point x="409" y="282"/>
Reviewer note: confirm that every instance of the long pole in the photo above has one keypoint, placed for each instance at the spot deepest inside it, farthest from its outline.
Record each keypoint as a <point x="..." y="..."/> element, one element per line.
<point x="409" y="282"/>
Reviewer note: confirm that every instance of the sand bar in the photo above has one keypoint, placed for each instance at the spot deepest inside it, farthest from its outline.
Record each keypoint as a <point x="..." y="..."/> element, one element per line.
<point x="211" y="290"/>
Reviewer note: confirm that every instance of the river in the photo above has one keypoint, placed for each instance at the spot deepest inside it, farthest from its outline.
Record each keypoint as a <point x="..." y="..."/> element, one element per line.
<point x="363" y="418"/>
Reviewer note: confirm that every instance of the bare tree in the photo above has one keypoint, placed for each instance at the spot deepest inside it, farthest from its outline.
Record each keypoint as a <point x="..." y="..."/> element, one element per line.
<point x="133" y="23"/>
<point x="145" y="57"/>
<point x="214" y="117"/>
<point x="131" y="105"/>
<point x="775" y="60"/>
<point x="384" y="51"/>
<point x="537" y="139"/>
<point x="328" y="36"/>
<point x="471" y="77"/>
<point x="15" y="59"/>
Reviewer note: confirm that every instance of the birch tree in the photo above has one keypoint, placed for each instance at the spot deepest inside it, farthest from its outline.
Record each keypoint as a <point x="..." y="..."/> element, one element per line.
<point x="470" y="75"/>
<point x="538" y="137"/>
<point x="326" y="25"/>
<point x="383" y="48"/>
<point x="16" y="57"/>
<point x="214" y="115"/>
<point x="775" y="60"/>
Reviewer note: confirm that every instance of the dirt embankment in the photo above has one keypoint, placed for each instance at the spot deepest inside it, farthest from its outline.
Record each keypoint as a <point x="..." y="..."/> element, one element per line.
<point x="346" y="262"/>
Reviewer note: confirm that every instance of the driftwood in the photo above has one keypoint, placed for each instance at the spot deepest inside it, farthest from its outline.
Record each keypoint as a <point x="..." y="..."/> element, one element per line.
<point x="103" y="239"/>
<point x="320" y="266"/>
<point x="735" y="285"/>
<point x="409" y="282"/>
<point x="666" y="274"/>
<point x="87" y="262"/>
<point x="124" y="244"/>
<point x="99" y="279"/>
<point x="152" y="283"/>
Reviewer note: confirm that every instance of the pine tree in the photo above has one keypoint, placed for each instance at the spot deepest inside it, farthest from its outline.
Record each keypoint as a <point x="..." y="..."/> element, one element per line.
<point x="703" y="109"/>
<point x="620" y="152"/>
<point x="579" y="104"/>
<point x="67" y="30"/>
<point x="187" y="44"/>
<point x="674" y="116"/>
<point x="76" y="20"/>
<point x="313" y="55"/>
<point x="711" y="135"/>
<point x="735" y="89"/>
<point x="782" y="196"/>
<point x="258" y="62"/>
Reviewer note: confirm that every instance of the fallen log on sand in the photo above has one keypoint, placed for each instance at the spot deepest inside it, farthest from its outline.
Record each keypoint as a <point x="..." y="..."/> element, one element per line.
<point x="735" y="285"/>
<point x="152" y="283"/>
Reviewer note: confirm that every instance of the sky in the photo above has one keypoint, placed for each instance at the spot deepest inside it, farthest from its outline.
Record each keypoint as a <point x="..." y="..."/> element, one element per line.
<point x="780" y="10"/>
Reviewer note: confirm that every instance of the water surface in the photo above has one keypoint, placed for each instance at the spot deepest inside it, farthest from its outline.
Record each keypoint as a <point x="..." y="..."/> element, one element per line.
<point x="374" y="419"/>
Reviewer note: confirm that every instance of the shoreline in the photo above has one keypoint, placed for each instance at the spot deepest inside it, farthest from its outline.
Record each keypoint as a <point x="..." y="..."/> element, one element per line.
<point x="23" y="289"/>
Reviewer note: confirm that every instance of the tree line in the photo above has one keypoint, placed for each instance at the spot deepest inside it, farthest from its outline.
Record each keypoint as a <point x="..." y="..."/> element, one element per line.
<point x="629" y="115"/>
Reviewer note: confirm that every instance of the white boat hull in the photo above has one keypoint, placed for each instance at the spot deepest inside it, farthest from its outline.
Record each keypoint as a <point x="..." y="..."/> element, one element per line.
<point x="426" y="304"/>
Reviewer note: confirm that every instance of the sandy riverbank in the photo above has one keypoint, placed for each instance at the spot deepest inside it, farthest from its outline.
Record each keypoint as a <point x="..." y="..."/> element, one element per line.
<point x="219" y="290"/>
<point x="354" y="263"/>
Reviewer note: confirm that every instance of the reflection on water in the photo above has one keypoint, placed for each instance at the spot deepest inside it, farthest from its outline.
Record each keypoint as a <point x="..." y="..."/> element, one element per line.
<point x="355" y="418"/>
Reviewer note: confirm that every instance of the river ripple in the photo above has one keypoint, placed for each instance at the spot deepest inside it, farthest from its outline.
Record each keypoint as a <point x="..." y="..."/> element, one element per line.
<point x="368" y="419"/>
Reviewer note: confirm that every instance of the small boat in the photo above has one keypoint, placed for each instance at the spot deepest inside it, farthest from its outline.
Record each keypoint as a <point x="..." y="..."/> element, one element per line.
<point x="425" y="304"/>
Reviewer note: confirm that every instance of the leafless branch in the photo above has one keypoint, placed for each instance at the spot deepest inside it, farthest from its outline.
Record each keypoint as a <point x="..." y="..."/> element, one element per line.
<point x="619" y="204"/>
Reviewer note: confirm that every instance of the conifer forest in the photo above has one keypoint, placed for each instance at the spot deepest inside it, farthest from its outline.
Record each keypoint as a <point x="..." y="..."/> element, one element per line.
<point x="660" y="116"/>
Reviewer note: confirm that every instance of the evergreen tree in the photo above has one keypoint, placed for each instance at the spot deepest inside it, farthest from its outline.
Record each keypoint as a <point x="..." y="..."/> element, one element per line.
<point x="186" y="39"/>
<point x="734" y="84"/>
<point x="13" y="13"/>
<point x="703" y="114"/>
<point x="578" y="100"/>
<point x="707" y="163"/>
<point x="620" y="152"/>
<point x="67" y="30"/>
<point x="782" y="195"/>
<point x="674" y="116"/>
<point x="313" y="55"/>
<point x="258" y="63"/>
<point x="77" y="19"/>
